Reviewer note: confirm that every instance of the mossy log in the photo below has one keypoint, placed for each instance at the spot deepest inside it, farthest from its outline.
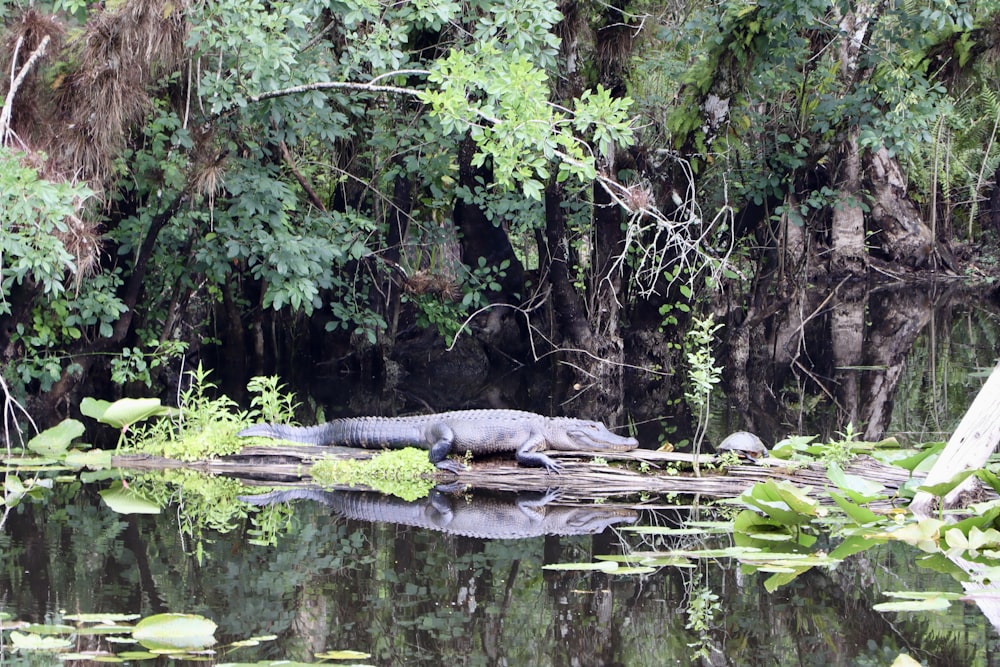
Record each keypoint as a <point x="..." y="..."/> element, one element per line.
<point x="612" y="475"/>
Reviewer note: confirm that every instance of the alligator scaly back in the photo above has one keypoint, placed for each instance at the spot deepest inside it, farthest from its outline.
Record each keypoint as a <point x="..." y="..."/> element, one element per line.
<point x="464" y="432"/>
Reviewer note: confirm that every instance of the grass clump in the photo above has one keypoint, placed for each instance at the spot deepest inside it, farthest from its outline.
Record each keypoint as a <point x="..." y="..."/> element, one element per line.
<point x="405" y="473"/>
<point x="206" y="425"/>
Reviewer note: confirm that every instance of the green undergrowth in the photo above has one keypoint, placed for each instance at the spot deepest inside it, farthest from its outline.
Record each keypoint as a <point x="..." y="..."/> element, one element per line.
<point x="206" y="425"/>
<point x="406" y="473"/>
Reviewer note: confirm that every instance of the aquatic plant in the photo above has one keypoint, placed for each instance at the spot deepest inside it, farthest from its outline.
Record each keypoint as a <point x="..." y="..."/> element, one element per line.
<point x="406" y="473"/>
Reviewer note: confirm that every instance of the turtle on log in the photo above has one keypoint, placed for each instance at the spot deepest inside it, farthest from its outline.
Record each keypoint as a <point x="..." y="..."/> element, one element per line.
<point x="745" y="444"/>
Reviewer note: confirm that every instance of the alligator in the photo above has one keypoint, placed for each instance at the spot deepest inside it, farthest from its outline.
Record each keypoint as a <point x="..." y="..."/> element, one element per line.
<point x="465" y="432"/>
<point x="488" y="517"/>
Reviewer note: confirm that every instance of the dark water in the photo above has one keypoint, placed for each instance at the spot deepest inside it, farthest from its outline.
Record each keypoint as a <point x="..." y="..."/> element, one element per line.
<point x="409" y="596"/>
<point x="415" y="597"/>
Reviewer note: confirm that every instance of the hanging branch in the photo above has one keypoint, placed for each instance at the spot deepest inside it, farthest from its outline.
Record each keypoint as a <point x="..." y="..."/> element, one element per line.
<point x="8" y="105"/>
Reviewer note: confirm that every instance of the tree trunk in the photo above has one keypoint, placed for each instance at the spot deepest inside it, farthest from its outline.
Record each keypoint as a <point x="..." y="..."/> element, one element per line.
<point x="480" y="237"/>
<point x="901" y="232"/>
<point x="970" y="446"/>
<point x="847" y="233"/>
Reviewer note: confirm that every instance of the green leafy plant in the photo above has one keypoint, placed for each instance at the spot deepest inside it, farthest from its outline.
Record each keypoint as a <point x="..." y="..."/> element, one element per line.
<point x="702" y="377"/>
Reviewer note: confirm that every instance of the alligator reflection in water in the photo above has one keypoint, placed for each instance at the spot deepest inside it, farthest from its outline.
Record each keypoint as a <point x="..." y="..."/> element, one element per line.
<point x="493" y="516"/>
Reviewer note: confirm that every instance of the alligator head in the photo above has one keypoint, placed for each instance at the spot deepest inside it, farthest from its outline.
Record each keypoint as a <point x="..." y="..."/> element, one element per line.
<point x="584" y="435"/>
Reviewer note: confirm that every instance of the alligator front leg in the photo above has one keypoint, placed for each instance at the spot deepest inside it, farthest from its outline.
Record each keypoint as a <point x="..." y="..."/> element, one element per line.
<point x="440" y="437"/>
<point x="527" y="454"/>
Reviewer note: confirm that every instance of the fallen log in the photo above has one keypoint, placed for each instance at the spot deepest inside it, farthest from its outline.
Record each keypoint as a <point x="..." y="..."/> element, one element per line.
<point x="658" y="473"/>
<point x="969" y="447"/>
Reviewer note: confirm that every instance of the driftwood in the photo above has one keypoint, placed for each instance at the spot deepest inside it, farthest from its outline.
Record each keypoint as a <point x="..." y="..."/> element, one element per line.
<point x="580" y="478"/>
<point x="969" y="447"/>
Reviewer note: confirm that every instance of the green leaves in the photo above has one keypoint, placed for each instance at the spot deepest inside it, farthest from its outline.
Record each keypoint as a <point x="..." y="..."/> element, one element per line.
<point x="502" y="99"/>
<point x="124" y="500"/>
<point x="173" y="632"/>
<point x="124" y="412"/>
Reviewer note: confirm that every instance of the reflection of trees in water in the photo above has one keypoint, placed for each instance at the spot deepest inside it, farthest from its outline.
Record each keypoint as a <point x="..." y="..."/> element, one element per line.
<point x="417" y="597"/>
<point x="820" y="360"/>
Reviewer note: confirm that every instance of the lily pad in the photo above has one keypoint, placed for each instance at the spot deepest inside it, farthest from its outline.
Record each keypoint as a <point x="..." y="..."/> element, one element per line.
<point x="31" y="642"/>
<point x="127" y="501"/>
<point x="125" y="411"/>
<point x="343" y="655"/>
<point x="183" y="632"/>
<point x="56" y="440"/>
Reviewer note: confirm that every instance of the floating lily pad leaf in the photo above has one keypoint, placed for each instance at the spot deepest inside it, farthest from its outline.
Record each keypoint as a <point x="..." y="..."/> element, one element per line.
<point x="859" y="515"/>
<point x="859" y="489"/>
<point x="51" y="629"/>
<point x="175" y="631"/>
<point x="32" y="642"/>
<point x="137" y="655"/>
<point x="128" y="501"/>
<point x="94" y="459"/>
<point x="935" y="604"/>
<point x="601" y="566"/>
<point x="91" y="656"/>
<point x="125" y="411"/>
<point x="56" y="440"/>
<point x="343" y="655"/>
<point x="33" y="463"/>
<point x="101" y="618"/>
<point x="252" y="641"/>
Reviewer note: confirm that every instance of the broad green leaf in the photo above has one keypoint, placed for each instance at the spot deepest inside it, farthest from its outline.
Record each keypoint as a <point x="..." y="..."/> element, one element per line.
<point x="343" y="655"/>
<point x="859" y="489"/>
<point x="92" y="656"/>
<point x="125" y="411"/>
<point x="175" y="631"/>
<point x="859" y="515"/>
<point x="779" y="579"/>
<point x="56" y="440"/>
<point x="50" y="629"/>
<point x="989" y="479"/>
<point x="942" y="489"/>
<point x="127" y="501"/>
<point x="32" y="642"/>
<point x="852" y="545"/>
<point x="936" y="604"/>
